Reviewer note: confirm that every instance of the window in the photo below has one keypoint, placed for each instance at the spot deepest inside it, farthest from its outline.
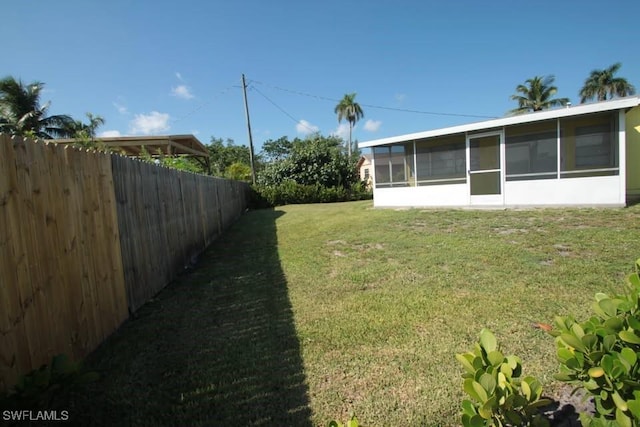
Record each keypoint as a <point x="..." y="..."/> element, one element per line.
<point x="593" y="146"/>
<point x="394" y="165"/>
<point x="441" y="161"/>
<point x="532" y="156"/>
<point x="589" y="146"/>
<point x="366" y="174"/>
<point x="381" y="158"/>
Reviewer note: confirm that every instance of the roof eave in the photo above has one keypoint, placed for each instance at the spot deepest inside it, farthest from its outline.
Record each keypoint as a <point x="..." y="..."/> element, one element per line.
<point x="616" y="104"/>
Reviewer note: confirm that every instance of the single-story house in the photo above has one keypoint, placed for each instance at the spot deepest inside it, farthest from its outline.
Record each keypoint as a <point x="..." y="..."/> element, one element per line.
<point x="365" y="168"/>
<point x="585" y="155"/>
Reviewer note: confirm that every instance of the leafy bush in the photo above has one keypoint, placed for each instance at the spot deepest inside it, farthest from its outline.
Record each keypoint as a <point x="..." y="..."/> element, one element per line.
<point x="353" y="422"/>
<point x="601" y="355"/>
<point x="39" y="388"/>
<point x="317" y="160"/>
<point x="290" y="192"/>
<point x="499" y="397"/>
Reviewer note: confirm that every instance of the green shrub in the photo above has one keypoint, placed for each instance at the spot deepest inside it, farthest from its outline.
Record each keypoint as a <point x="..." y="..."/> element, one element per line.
<point x="499" y="397"/>
<point x="601" y="355"/>
<point x="40" y="388"/>
<point x="290" y="192"/>
<point x="353" y="422"/>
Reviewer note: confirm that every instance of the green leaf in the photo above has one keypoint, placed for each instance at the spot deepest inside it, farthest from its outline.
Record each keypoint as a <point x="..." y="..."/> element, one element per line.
<point x="466" y="360"/>
<point x="628" y="357"/>
<point x="572" y="341"/>
<point x="634" y="322"/>
<point x="335" y="423"/>
<point x="634" y="407"/>
<point x="488" y="340"/>
<point x="513" y="418"/>
<point x="600" y="296"/>
<point x="634" y="280"/>
<point x="526" y="390"/>
<point x="619" y="401"/>
<point x="564" y="354"/>
<point x="488" y="383"/>
<point x="353" y="422"/>
<point x="534" y="386"/>
<point x="608" y="342"/>
<point x="475" y="390"/>
<point x="486" y="410"/>
<point x="476" y="421"/>
<point x="589" y="341"/>
<point x="622" y="419"/>
<point x="564" y="377"/>
<point x="468" y="408"/>
<point x="577" y="330"/>
<point x="609" y="306"/>
<point x="596" y="372"/>
<point x="630" y="337"/>
<point x="495" y="358"/>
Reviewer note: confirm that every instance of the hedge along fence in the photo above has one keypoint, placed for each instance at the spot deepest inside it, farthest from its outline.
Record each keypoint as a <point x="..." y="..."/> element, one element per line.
<point x="87" y="237"/>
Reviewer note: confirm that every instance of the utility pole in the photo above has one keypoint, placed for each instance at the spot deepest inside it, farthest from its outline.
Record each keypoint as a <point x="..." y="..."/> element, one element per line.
<point x="246" y="110"/>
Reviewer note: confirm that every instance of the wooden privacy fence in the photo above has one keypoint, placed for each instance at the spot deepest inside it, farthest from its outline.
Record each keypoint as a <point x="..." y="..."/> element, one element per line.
<point x="166" y="218"/>
<point x="87" y="237"/>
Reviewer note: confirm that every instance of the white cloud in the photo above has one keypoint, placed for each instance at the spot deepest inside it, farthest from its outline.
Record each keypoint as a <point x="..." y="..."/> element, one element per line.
<point x="179" y="76"/>
<point x="121" y="108"/>
<point x="182" y="91"/>
<point x="147" y="124"/>
<point x="306" y="128"/>
<point x="342" y="131"/>
<point x="109" y="134"/>
<point x="372" y="125"/>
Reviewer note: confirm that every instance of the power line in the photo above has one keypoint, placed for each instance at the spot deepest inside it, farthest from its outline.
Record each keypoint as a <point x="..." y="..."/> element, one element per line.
<point x="402" y="110"/>
<point x="204" y="104"/>
<point x="299" y="122"/>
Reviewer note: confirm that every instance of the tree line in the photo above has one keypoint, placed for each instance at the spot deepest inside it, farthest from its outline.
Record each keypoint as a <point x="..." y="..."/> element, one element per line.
<point x="323" y="160"/>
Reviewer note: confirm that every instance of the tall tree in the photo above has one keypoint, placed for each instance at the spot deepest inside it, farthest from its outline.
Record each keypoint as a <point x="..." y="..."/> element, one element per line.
<point x="350" y="110"/>
<point x="22" y="114"/>
<point x="602" y="84"/>
<point x="537" y="95"/>
<point x="88" y="130"/>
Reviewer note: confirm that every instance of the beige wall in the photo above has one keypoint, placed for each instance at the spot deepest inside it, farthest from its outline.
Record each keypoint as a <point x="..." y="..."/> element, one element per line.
<point x="633" y="152"/>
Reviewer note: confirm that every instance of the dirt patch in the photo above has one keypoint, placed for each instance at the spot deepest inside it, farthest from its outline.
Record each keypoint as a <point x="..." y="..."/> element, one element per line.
<point x="567" y="405"/>
<point x="563" y="250"/>
<point x="507" y="231"/>
<point x="336" y="242"/>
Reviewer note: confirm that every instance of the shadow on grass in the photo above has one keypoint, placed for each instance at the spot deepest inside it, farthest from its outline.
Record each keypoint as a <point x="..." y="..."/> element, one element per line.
<point x="217" y="347"/>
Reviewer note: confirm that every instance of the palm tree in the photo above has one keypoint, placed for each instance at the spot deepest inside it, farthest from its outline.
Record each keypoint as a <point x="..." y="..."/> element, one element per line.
<point x="80" y="130"/>
<point x="22" y="114"/>
<point x="536" y="95"/>
<point x="601" y="83"/>
<point x="349" y="109"/>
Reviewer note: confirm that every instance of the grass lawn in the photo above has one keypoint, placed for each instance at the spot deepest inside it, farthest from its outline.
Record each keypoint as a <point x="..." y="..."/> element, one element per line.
<point x="307" y="313"/>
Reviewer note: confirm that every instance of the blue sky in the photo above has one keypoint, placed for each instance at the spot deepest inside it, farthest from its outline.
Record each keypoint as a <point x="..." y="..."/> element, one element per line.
<point x="174" y="67"/>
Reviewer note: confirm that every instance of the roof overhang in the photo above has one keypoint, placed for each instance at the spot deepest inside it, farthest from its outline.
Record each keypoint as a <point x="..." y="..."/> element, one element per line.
<point x="617" y="104"/>
<point x="172" y="145"/>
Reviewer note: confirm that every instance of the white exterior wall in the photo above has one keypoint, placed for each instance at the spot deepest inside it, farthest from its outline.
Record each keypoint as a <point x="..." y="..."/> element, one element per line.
<point x="588" y="191"/>
<point x="452" y="195"/>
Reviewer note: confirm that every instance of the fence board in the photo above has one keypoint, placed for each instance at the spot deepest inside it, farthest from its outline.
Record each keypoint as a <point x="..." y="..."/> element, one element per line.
<point x="62" y="285"/>
<point x="87" y="237"/>
<point x="166" y="218"/>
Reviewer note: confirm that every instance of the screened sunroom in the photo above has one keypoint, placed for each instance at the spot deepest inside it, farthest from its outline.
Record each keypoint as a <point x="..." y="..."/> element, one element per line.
<point x="584" y="155"/>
